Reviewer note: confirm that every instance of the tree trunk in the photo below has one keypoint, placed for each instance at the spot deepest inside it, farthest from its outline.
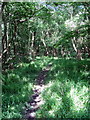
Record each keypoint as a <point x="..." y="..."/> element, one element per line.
<point x="14" y="40"/>
<point x="78" y="51"/>
<point x="32" y="52"/>
<point x="43" y="41"/>
<point x="4" y="41"/>
<point x="79" y="54"/>
<point x="74" y="46"/>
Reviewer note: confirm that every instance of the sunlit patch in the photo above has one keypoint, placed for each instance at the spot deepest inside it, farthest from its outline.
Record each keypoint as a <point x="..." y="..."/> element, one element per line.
<point x="37" y="57"/>
<point x="12" y="108"/>
<point x="56" y="74"/>
<point x="55" y="58"/>
<point x="62" y="72"/>
<point x="35" y="66"/>
<point x="29" y="86"/>
<point x="70" y="24"/>
<point x="32" y="62"/>
<point x="24" y="79"/>
<point x="49" y="84"/>
<point x="79" y="98"/>
<point x="21" y="64"/>
<point x="23" y="95"/>
<point x="85" y="73"/>
<point x="57" y="98"/>
<point x="78" y="104"/>
<point x="84" y="89"/>
<point x="51" y="112"/>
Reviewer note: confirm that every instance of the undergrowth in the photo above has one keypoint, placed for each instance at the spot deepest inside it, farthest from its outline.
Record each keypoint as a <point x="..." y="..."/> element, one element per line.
<point x="17" y="87"/>
<point x="67" y="90"/>
<point x="66" y="94"/>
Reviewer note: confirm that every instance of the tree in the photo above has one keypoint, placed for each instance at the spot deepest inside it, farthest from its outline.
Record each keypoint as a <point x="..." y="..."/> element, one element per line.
<point x="53" y="29"/>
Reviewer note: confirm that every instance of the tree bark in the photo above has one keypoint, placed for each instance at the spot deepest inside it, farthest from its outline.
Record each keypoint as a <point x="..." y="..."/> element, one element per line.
<point x="4" y="40"/>
<point x="74" y="46"/>
<point x="32" y="52"/>
<point x="43" y="41"/>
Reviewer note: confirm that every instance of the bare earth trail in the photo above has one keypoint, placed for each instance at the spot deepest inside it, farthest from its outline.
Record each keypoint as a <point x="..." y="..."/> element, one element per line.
<point x="36" y="100"/>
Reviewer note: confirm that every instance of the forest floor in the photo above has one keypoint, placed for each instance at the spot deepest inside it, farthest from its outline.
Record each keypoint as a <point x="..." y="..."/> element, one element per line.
<point x="64" y="91"/>
<point x="36" y="100"/>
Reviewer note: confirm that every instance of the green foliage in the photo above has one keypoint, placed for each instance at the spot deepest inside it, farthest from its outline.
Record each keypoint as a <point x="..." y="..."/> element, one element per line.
<point x="67" y="90"/>
<point x="17" y="87"/>
<point x="66" y="94"/>
<point x="31" y="30"/>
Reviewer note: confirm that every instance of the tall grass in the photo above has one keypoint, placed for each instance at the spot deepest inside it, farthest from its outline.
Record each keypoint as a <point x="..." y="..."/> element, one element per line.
<point x="17" y="85"/>
<point x="66" y="94"/>
<point x="67" y="90"/>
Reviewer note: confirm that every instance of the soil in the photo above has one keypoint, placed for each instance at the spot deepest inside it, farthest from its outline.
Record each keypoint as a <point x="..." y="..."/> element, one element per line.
<point x="36" y="100"/>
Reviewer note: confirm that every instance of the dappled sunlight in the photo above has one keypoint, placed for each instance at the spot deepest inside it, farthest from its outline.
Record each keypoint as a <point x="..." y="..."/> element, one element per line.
<point x="64" y="92"/>
<point x="65" y="95"/>
<point x="23" y="95"/>
<point x="79" y="98"/>
<point x="51" y="112"/>
<point x="74" y="22"/>
<point x="78" y="104"/>
<point x="85" y="73"/>
<point x="12" y="108"/>
<point x="84" y="90"/>
<point x="70" y="24"/>
<point x="29" y="86"/>
<point x="45" y="59"/>
<point x="49" y="84"/>
<point x="44" y="87"/>
<point x="22" y="65"/>
<point x="18" y="87"/>
<point x="25" y="79"/>
<point x="65" y="99"/>
<point x="55" y="58"/>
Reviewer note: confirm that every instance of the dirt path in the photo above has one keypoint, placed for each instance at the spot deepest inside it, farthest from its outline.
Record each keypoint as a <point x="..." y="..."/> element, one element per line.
<point x="36" y="100"/>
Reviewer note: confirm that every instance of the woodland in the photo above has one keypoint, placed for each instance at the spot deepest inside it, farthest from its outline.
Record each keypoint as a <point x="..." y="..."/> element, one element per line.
<point x="45" y="59"/>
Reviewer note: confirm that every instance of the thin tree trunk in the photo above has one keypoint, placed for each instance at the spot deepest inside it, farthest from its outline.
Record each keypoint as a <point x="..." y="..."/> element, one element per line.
<point x="14" y="35"/>
<point x="74" y="46"/>
<point x="43" y="41"/>
<point x="4" y="41"/>
<point x="62" y="52"/>
<point x="32" y="53"/>
<point x="29" y="37"/>
<point x="78" y="51"/>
